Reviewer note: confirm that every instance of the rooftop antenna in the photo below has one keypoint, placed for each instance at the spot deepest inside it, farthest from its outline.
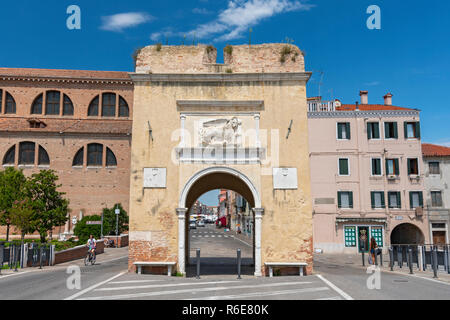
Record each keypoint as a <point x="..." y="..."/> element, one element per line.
<point x="250" y="36"/>
<point x="321" y="80"/>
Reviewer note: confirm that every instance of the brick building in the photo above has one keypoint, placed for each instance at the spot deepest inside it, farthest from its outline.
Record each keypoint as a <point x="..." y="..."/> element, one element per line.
<point x="77" y="123"/>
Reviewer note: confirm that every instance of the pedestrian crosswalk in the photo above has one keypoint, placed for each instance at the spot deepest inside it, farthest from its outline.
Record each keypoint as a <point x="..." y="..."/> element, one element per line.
<point x="134" y="287"/>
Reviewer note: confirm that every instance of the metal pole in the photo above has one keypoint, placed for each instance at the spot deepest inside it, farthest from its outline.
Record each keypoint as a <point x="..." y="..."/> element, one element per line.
<point x="363" y="261"/>
<point x="40" y="257"/>
<point x="435" y="262"/>
<point x="16" y="256"/>
<point x="381" y="256"/>
<point x="376" y="257"/>
<point x="2" y="249"/>
<point x="391" y="258"/>
<point x="117" y="228"/>
<point x="448" y="259"/>
<point x="410" y="261"/>
<point x="424" y="258"/>
<point x="239" y="263"/>
<point x="198" y="264"/>
<point x="400" y="256"/>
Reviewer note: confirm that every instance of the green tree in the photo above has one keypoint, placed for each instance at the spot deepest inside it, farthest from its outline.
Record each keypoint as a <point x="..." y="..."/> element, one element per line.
<point x="12" y="184"/>
<point x="83" y="230"/>
<point x="109" y="219"/>
<point x="49" y="207"/>
<point x="22" y="217"/>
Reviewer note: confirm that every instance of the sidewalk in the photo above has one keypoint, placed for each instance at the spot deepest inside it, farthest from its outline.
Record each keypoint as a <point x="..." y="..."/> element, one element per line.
<point x="355" y="261"/>
<point x="109" y="255"/>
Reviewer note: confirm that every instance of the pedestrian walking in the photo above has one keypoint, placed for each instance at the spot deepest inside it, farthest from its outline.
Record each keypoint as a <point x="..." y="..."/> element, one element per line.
<point x="373" y="249"/>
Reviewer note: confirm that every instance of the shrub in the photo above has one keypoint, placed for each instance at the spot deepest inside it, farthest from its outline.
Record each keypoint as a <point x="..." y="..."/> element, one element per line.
<point x="228" y="50"/>
<point x="209" y="49"/>
<point x="83" y="230"/>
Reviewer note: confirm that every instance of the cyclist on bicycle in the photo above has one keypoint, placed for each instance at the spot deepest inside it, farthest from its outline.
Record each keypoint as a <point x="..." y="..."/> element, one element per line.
<point x="92" y="244"/>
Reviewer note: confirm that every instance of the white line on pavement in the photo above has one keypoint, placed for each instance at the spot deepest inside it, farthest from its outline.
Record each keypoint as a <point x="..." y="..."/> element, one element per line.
<point x="262" y="294"/>
<point x="190" y="290"/>
<point x="342" y="293"/>
<point x="133" y="281"/>
<point x="94" y="286"/>
<point x="242" y="241"/>
<point x="16" y="274"/>
<point x="164" y="285"/>
<point x="332" y="298"/>
<point x="417" y="276"/>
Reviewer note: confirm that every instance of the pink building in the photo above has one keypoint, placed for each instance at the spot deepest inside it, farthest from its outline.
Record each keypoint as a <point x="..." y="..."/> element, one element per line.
<point x="366" y="175"/>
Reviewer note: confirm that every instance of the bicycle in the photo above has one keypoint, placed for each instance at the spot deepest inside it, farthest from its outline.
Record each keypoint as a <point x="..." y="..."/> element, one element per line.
<point x="90" y="258"/>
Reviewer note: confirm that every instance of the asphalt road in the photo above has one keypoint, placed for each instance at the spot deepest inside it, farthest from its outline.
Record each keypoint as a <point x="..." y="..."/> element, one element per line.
<point x="333" y="280"/>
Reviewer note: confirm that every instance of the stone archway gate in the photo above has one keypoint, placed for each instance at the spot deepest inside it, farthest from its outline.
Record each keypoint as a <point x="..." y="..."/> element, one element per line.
<point x="195" y="120"/>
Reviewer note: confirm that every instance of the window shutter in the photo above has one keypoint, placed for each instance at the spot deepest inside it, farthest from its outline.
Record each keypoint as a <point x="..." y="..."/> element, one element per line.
<point x="377" y="131"/>
<point x="397" y="167"/>
<point x="399" y="200"/>
<point x="372" y="196"/>
<point x="387" y="166"/>
<point x="389" y="200"/>
<point x="421" y="199"/>
<point x="418" y="130"/>
<point x="339" y="200"/>
<point x="406" y="130"/>
<point x="383" y="201"/>
<point x="378" y="165"/>
<point x="395" y="130"/>
<point x="369" y="131"/>
<point x="387" y="134"/>
<point x="409" y="166"/>
<point x="347" y="126"/>
<point x="411" y="200"/>
<point x="350" y="196"/>
<point x="339" y="128"/>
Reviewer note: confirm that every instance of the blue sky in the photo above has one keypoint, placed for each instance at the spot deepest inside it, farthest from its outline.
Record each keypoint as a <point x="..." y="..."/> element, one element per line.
<point x="409" y="56"/>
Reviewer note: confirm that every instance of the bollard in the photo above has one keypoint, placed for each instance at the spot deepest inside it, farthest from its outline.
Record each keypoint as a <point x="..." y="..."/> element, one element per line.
<point x="16" y="256"/>
<point x="446" y="259"/>
<point x="410" y="261"/>
<point x="40" y="257"/>
<point x="239" y="263"/>
<point x="434" y="261"/>
<point x="376" y="257"/>
<point x="424" y="258"/>
<point x="381" y="257"/>
<point x="198" y="264"/>
<point x="364" y="262"/>
<point x="391" y="257"/>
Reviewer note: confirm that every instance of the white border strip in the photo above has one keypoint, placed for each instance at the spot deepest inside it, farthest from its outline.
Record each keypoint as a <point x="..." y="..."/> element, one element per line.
<point x="342" y="293"/>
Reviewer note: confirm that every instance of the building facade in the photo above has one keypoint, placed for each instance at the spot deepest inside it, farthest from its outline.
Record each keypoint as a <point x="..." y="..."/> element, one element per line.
<point x="75" y="122"/>
<point x="200" y="126"/>
<point x="437" y="186"/>
<point x="367" y="176"/>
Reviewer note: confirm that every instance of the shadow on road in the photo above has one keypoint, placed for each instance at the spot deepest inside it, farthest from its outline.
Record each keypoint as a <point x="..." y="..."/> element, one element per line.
<point x="219" y="266"/>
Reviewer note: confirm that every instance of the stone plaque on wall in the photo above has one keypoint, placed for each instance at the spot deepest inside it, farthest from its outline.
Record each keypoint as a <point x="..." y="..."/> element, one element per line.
<point x="285" y="178"/>
<point x="155" y="177"/>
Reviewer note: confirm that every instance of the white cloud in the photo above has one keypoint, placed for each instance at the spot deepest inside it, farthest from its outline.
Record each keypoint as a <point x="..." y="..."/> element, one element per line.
<point x="240" y="15"/>
<point x="121" y="21"/>
<point x="201" y="11"/>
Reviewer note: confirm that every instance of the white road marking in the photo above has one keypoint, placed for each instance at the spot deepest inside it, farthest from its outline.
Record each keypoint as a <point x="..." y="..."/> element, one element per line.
<point x="342" y="293"/>
<point x="243" y="241"/>
<point x="16" y="274"/>
<point x="213" y="236"/>
<point x="416" y="276"/>
<point x="164" y="285"/>
<point x="262" y="294"/>
<point x="332" y="298"/>
<point x="76" y="295"/>
<point x="191" y="290"/>
<point x="134" y="281"/>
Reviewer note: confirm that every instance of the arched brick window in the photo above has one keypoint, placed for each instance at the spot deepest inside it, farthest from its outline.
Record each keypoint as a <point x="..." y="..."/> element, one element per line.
<point x="56" y="104"/>
<point x="10" y="157"/>
<point x="111" y="105"/>
<point x="27" y="153"/>
<point x="95" y="152"/>
<point x="7" y="104"/>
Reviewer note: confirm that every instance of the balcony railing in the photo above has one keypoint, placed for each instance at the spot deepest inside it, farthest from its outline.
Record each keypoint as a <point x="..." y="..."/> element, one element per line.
<point x="321" y="106"/>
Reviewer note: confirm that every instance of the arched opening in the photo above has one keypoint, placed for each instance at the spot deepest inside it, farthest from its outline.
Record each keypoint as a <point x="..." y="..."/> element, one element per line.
<point x="407" y="233"/>
<point x="219" y="243"/>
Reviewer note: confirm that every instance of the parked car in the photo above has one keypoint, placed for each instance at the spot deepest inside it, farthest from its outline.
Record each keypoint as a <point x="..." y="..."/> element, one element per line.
<point x="192" y="225"/>
<point x="201" y="224"/>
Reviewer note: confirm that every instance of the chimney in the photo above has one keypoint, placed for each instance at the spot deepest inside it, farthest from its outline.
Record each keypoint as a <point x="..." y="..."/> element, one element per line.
<point x="388" y="99"/>
<point x="364" y="97"/>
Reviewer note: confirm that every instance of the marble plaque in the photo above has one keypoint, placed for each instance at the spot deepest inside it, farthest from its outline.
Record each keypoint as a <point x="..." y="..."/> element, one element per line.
<point x="155" y="177"/>
<point x="285" y="178"/>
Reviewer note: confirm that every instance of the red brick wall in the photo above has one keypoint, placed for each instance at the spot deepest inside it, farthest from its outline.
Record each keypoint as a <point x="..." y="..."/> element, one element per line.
<point x="76" y="253"/>
<point x="88" y="189"/>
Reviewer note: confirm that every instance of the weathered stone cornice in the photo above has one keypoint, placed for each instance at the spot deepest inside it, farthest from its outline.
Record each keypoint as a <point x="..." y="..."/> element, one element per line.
<point x="65" y="80"/>
<point x="250" y="104"/>
<point x="219" y="77"/>
<point x="364" y="114"/>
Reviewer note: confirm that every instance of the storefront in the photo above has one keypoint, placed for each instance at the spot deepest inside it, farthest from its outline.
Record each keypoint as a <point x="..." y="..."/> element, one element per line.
<point x="357" y="233"/>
